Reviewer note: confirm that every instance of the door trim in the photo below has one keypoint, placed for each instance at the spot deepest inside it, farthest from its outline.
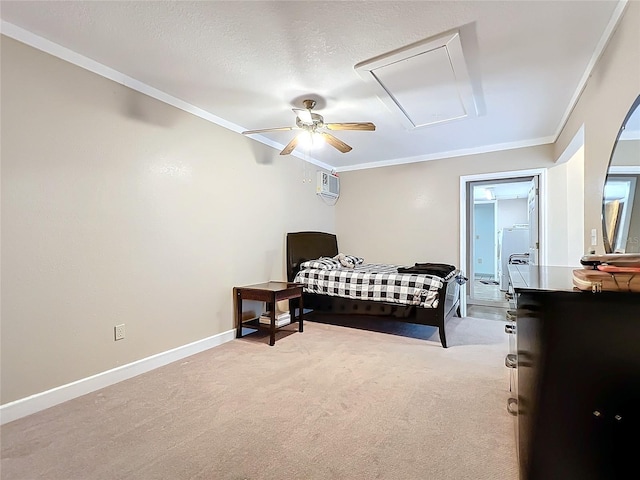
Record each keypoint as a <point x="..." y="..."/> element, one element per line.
<point x="542" y="216"/>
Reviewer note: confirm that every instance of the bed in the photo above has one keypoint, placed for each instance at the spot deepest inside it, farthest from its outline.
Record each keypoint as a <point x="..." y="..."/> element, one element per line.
<point x="413" y="298"/>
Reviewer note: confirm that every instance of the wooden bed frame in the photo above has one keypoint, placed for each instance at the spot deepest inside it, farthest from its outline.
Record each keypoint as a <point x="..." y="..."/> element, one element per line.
<point x="302" y="246"/>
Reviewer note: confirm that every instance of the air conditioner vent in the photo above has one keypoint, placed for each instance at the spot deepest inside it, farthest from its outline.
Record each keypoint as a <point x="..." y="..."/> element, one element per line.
<point x="328" y="185"/>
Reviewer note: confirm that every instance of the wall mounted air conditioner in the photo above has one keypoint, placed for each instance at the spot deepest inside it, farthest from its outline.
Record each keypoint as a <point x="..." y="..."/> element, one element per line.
<point x="328" y="184"/>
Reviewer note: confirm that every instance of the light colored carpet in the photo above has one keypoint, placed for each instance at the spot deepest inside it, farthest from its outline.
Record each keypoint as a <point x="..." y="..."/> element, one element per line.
<point x="331" y="403"/>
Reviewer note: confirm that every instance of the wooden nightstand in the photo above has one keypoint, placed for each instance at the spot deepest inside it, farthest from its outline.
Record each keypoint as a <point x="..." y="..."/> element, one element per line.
<point x="271" y="293"/>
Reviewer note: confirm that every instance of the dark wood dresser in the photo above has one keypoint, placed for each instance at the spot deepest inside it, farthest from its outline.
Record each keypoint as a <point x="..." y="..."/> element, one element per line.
<point x="578" y="378"/>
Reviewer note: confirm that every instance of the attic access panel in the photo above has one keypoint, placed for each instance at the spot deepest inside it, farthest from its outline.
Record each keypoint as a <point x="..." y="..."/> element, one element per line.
<point x="425" y="83"/>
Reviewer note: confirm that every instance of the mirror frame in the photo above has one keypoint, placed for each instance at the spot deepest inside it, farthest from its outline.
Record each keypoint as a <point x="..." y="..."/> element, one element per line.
<point x="605" y="234"/>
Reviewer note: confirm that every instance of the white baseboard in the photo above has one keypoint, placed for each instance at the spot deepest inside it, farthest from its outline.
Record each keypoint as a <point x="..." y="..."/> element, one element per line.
<point x="40" y="401"/>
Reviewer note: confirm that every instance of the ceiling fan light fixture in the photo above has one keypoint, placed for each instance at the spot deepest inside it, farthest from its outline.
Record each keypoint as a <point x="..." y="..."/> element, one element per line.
<point x="310" y="139"/>
<point x="318" y="140"/>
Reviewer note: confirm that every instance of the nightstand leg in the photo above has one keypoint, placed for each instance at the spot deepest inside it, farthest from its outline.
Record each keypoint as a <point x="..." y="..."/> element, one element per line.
<point x="272" y="337"/>
<point x="238" y="315"/>
<point x="270" y="306"/>
<point x="301" y="314"/>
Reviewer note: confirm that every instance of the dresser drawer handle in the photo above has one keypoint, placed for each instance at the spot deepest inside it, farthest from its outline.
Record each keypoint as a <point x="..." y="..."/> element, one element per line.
<point x="508" y="296"/>
<point x="511" y="360"/>
<point x="511" y="315"/>
<point x="510" y="328"/>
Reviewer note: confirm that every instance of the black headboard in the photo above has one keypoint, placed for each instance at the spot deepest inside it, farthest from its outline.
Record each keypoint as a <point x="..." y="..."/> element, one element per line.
<point x="302" y="246"/>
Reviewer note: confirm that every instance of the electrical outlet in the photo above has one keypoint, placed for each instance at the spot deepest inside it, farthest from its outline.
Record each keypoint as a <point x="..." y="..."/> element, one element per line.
<point x="119" y="331"/>
<point x="479" y="260"/>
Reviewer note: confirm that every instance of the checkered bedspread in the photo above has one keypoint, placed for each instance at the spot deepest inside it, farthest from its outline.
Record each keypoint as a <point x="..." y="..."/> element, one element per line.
<point x="376" y="282"/>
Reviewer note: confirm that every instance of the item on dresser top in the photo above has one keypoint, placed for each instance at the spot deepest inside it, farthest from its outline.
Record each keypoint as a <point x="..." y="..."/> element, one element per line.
<point x="599" y="281"/>
<point x="605" y="267"/>
<point x="615" y="259"/>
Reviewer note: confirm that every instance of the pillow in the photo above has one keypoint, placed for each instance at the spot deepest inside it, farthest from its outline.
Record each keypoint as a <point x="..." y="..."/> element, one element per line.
<point x="349" y="261"/>
<point x="322" y="263"/>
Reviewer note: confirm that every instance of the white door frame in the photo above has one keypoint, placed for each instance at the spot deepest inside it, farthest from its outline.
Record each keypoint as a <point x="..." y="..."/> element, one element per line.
<point x="542" y="219"/>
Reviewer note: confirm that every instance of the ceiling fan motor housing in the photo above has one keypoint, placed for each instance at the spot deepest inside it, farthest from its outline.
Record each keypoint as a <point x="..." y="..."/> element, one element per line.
<point x="309" y="104"/>
<point x="317" y="122"/>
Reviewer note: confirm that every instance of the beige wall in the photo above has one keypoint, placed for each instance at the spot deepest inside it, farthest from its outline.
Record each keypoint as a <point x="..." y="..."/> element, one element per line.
<point x="565" y="213"/>
<point x="602" y="107"/>
<point x="411" y="213"/>
<point x="558" y="243"/>
<point x="117" y="208"/>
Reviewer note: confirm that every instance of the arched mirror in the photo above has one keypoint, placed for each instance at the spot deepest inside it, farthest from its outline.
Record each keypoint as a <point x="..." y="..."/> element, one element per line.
<point x="621" y="201"/>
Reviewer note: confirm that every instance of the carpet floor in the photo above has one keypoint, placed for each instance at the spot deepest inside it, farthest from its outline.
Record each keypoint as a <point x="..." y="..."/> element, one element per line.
<point x="333" y="402"/>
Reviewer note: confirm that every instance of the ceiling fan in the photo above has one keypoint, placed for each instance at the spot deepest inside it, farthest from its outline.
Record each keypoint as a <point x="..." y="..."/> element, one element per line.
<point x="313" y="124"/>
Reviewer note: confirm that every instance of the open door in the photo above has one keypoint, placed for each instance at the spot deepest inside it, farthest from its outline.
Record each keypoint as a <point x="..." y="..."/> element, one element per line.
<point x="519" y="204"/>
<point x="534" y="237"/>
<point x="502" y="226"/>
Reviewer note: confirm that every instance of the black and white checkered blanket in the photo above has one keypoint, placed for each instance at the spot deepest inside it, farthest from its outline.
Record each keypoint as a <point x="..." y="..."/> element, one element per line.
<point x="376" y="282"/>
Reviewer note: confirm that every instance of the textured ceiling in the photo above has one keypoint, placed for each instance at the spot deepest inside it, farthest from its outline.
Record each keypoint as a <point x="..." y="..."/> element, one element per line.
<point x="249" y="63"/>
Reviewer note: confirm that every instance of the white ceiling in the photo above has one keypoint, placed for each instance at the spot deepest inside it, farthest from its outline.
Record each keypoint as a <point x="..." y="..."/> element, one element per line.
<point x="245" y="64"/>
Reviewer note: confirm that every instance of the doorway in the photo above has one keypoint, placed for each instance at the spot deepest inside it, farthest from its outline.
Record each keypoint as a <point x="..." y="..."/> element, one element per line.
<point x="500" y="219"/>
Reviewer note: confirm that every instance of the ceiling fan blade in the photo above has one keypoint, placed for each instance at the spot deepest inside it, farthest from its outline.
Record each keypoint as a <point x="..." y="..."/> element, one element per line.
<point x="290" y="146"/>
<point x="336" y="143"/>
<point x="263" y="130"/>
<point x="366" y="126"/>
<point x="304" y="115"/>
